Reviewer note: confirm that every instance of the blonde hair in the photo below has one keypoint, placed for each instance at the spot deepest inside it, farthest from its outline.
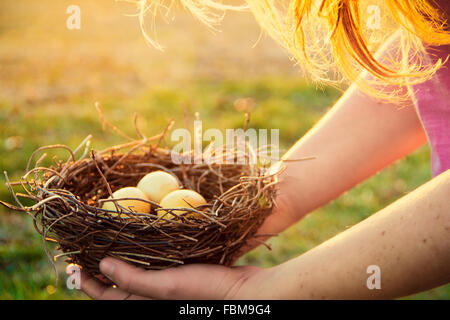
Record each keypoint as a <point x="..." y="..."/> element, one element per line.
<point x="332" y="40"/>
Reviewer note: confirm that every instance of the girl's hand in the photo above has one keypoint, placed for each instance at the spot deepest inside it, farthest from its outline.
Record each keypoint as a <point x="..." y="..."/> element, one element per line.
<point x="196" y="281"/>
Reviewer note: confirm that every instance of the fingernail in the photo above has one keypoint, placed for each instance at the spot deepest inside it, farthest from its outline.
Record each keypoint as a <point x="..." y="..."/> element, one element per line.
<point x="107" y="268"/>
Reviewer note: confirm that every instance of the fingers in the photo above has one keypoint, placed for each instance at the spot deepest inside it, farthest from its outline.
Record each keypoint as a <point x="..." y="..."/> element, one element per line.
<point x="185" y="282"/>
<point x="95" y="289"/>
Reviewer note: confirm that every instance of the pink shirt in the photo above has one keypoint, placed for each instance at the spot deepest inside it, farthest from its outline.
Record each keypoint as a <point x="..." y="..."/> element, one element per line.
<point x="433" y="105"/>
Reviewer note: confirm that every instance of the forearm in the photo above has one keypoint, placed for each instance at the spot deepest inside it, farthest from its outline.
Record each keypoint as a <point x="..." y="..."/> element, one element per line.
<point x="409" y="241"/>
<point x="356" y="139"/>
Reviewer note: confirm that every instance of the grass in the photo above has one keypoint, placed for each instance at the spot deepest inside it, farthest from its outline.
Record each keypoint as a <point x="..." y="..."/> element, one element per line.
<point x="51" y="78"/>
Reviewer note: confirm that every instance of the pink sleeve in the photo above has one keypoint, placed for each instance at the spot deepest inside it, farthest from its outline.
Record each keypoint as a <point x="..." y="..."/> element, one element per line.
<point x="433" y="105"/>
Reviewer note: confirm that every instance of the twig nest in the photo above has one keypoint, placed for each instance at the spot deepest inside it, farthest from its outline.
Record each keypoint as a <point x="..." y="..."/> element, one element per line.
<point x="131" y="200"/>
<point x="181" y="199"/>
<point x="157" y="184"/>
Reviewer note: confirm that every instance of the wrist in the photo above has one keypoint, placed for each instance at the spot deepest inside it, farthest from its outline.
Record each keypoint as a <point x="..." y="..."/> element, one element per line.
<point x="256" y="284"/>
<point x="285" y="213"/>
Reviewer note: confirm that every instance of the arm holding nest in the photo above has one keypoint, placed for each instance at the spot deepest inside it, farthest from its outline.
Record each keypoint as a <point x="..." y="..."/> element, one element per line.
<point x="357" y="138"/>
<point x="401" y="239"/>
<point x="408" y="240"/>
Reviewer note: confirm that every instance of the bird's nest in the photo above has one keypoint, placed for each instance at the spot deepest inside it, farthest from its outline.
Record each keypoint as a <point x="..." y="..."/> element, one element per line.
<point x="68" y="196"/>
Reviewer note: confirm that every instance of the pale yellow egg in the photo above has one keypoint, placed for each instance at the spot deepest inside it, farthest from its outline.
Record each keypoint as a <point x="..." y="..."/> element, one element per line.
<point x="181" y="199"/>
<point x="157" y="184"/>
<point x="131" y="204"/>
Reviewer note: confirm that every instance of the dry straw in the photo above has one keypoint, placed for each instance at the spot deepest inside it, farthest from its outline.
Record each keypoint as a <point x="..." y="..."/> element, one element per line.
<point x="68" y="197"/>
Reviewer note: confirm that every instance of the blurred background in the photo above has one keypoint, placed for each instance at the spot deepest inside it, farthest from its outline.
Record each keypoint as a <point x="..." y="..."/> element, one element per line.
<point x="50" y="78"/>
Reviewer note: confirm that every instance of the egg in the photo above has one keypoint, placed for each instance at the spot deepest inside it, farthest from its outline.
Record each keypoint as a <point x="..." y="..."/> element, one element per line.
<point x="157" y="184"/>
<point x="131" y="204"/>
<point x="181" y="199"/>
